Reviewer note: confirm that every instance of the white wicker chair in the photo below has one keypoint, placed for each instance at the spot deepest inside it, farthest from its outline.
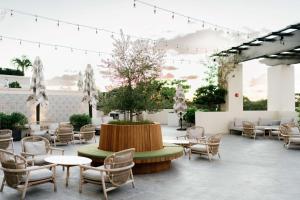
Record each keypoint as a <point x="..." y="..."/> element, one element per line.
<point x="6" y="140"/>
<point x="208" y="147"/>
<point x="36" y="148"/>
<point x="249" y="130"/>
<point x="63" y="135"/>
<point x="290" y="134"/>
<point x="19" y="176"/>
<point x="86" y="133"/>
<point x="116" y="171"/>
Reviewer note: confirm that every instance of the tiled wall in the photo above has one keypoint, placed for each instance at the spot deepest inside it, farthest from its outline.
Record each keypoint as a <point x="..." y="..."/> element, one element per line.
<point x="61" y="104"/>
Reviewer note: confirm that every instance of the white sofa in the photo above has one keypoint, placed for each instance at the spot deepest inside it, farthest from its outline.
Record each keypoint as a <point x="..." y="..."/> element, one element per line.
<point x="237" y="124"/>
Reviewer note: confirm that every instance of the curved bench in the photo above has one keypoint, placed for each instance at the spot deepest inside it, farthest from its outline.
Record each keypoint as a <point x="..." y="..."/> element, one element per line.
<point x="145" y="162"/>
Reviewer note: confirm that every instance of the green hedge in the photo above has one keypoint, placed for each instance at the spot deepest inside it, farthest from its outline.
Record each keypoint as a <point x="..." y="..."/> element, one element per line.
<point x="15" y="72"/>
<point x="79" y="120"/>
<point x="12" y="121"/>
<point x="123" y="122"/>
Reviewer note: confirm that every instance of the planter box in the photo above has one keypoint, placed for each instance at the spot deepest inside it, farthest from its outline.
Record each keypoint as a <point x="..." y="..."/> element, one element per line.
<point x="115" y="138"/>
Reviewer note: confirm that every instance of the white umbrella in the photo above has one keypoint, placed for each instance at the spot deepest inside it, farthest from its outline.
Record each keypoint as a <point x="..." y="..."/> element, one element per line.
<point x="80" y="82"/>
<point x="180" y="105"/>
<point x="89" y="88"/>
<point x="37" y="84"/>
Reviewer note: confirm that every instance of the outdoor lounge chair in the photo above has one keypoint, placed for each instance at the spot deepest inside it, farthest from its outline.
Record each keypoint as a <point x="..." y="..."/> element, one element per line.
<point x="36" y="148"/>
<point x="116" y="171"/>
<point x="193" y="133"/>
<point x="290" y="134"/>
<point x="63" y="135"/>
<point x="6" y="140"/>
<point x="249" y="130"/>
<point x="208" y="147"/>
<point x="19" y="176"/>
<point x="86" y="133"/>
<point x="38" y="129"/>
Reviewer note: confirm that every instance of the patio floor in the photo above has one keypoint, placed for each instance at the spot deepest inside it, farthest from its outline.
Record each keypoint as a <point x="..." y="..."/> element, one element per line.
<point x="248" y="170"/>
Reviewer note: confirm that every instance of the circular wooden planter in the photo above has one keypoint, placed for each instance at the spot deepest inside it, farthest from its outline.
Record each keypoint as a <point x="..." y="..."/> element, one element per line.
<point x="146" y="137"/>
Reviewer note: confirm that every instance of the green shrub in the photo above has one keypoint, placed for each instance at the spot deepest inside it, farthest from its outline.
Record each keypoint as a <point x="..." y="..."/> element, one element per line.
<point x="189" y="116"/>
<point x="123" y="122"/>
<point x="15" y="72"/>
<point x="79" y="120"/>
<point x="14" y="84"/>
<point x="13" y="121"/>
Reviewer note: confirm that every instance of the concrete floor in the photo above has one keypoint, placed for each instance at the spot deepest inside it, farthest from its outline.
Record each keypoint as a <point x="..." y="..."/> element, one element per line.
<point x="248" y="170"/>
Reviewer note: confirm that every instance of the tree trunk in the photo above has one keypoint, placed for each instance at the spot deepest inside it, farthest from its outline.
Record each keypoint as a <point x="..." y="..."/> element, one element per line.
<point x="131" y="115"/>
<point x="90" y="110"/>
<point x="38" y="113"/>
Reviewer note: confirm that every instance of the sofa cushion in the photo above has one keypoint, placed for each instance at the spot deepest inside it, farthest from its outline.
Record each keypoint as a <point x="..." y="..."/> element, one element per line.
<point x="265" y="122"/>
<point x="35" y="148"/>
<point x="294" y="131"/>
<point x="286" y="120"/>
<point x="275" y="122"/>
<point x="38" y="174"/>
<point x="239" y="122"/>
<point x="199" y="147"/>
<point x="295" y="140"/>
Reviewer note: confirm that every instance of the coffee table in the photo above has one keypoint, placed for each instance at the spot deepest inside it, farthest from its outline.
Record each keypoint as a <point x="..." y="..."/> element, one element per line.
<point x="68" y="161"/>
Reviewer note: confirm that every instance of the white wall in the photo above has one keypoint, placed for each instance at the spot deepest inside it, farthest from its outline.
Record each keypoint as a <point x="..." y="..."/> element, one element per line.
<point x="218" y="122"/>
<point x="160" y="117"/>
<point x="62" y="104"/>
<point x="281" y="88"/>
<point x="24" y="81"/>
<point x="235" y="86"/>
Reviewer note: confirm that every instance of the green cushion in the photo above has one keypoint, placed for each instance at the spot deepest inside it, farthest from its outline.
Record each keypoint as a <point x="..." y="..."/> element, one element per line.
<point x="168" y="150"/>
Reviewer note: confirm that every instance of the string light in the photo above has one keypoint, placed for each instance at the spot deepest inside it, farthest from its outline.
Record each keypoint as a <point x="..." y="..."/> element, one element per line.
<point x="184" y="16"/>
<point x="11" y="13"/>
<point x="78" y="27"/>
<point x="36" y="18"/>
<point x="55" y="46"/>
<point x="134" y="4"/>
<point x="154" y="11"/>
<point x="96" y="31"/>
<point x="58" y="23"/>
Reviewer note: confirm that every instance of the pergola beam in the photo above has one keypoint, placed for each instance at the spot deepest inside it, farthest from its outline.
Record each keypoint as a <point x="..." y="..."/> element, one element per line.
<point x="275" y="61"/>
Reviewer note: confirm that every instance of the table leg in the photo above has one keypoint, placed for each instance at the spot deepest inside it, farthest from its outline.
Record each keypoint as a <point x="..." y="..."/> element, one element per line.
<point x="67" y="176"/>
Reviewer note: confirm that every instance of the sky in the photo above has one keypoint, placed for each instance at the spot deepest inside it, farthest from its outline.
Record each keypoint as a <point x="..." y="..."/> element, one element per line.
<point x="188" y="45"/>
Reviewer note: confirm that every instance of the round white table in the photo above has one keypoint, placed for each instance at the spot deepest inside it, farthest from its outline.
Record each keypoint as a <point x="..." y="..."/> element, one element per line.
<point x="68" y="161"/>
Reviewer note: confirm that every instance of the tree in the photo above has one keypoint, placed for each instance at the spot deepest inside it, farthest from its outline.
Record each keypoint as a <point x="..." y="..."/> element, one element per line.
<point x="211" y="72"/>
<point x="22" y="63"/>
<point x="89" y="89"/>
<point x="134" y="66"/>
<point x="14" y="84"/>
<point x="254" y="105"/>
<point x="210" y="98"/>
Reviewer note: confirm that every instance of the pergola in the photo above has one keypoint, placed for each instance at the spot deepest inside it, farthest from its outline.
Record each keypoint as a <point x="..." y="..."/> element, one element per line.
<point x="279" y="49"/>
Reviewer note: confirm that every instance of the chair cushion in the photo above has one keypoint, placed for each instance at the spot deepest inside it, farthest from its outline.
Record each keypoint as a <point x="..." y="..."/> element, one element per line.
<point x="259" y="131"/>
<point x="199" y="147"/>
<point x="35" y="127"/>
<point x="39" y="133"/>
<point x="77" y="135"/>
<point x="294" y="131"/>
<point x="53" y="126"/>
<point x="40" y="159"/>
<point x="275" y="132"/>
<point x="39" y="174"/>
<point x="94" y="175"/>
<point x="295" y="140"/>
<point x="36" y="148"/>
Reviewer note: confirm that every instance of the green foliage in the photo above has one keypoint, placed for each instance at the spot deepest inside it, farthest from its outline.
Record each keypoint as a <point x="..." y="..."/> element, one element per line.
<point x="22" y="63"/>
<point x="254" y="105"/>
<point x="14" y="84"/>
<point x="14" y="72"/>
<point x="79" y="120"/>
<point x="125" y="122"/>
<point x="211" y="77"/>
<point x="189" y="116"/>
<point x="12" y="121"/>
<point x="210" y="97"/>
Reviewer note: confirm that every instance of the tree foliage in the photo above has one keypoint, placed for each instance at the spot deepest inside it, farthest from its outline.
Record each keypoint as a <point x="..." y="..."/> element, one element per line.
<point x="254" y="105"/>
<point x="134" y="66"/>
<point x="210" y="98"/>
<point x="22" y="63"/>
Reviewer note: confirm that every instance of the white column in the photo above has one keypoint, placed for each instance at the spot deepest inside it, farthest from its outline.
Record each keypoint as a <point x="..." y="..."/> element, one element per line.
<point x="281" y="88"/>
<point x="235" y="90"/>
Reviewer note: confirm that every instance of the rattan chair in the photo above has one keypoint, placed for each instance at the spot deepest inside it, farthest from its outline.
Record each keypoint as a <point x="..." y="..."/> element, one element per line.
<point x="208" y="147"/>
<point x="6" y="140"/>
<point x="249" y="130"/>
<point x="116" y="171"/>
<point x="38" y="129"/>
<point x="36" y="148"/>
<point x="290" y="134"/>
<point x="63" y="135"/>
<point x="19" y="176"/>
<point x="86" y="133"/>
<point x="194" y="133"/>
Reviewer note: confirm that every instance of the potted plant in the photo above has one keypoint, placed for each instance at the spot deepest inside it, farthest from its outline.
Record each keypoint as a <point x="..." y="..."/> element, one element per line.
<point x="15" y="121"/>
<point x="135" y="65"/>
<point x="79" y="120"/>
<point x="189" y="116"/>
